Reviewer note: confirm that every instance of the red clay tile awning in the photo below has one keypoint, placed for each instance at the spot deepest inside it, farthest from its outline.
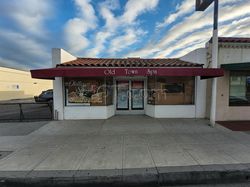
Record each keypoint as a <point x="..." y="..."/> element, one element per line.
<point x="128" y="62"/>
<point x="51" y="73"/>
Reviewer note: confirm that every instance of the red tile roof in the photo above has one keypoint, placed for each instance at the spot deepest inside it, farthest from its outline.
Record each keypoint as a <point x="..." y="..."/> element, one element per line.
<point x="128" y="62"/>
<point x="232" y="40"/>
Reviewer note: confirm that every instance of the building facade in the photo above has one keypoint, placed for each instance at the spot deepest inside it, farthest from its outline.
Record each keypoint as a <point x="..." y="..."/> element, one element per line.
<point x="233" y="89"/>
<point x="17" y="84"/>
<point x="98" y="88"/>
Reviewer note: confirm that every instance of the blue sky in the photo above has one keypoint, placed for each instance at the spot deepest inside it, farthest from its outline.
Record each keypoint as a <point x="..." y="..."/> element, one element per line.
<point x="111" y="28"/>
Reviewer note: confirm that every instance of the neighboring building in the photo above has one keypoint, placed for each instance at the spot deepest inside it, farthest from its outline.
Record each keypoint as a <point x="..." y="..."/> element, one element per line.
<point x="233" y="89"/>
<point x="98" y="88"/>
<point x="17" y="84"/>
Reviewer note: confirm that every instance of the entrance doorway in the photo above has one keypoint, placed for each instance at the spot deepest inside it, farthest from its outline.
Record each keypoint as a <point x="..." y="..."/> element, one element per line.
<point x="130" y="96"/>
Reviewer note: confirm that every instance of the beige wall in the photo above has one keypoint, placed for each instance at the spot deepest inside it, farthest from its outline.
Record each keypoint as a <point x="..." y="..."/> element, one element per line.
<point x="17" y="84"/>
<point x="234" y="55"/>
<point x="228" y="55"/>
<point x="224" y="111"/>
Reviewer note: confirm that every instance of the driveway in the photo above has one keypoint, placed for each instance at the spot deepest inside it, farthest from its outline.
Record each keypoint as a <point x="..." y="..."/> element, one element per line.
<point x="125" y="144"/>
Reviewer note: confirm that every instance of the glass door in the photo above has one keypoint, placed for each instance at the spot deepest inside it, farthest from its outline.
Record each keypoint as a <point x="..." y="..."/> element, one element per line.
<point x="129" y="96"/>
<point x="122" y="101"/>
<point x="137" y="95"/>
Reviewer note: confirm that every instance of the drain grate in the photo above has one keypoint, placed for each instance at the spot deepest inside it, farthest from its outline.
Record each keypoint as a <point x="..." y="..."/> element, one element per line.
<point x="4" y="153"/>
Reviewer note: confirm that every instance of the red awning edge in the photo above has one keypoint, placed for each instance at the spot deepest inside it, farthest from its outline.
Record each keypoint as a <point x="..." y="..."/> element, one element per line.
<point x="51" y="73"/>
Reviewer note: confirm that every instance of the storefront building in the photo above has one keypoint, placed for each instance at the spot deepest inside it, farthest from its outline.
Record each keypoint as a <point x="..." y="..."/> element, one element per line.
<point x="98" y="88"/>
<point x="233" y="89"/>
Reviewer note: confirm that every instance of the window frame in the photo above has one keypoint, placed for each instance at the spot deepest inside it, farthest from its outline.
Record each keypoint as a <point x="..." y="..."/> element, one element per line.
<point x="155" y="102"/>
<point x="66" y="103"/>
<point x="238" y="73"/>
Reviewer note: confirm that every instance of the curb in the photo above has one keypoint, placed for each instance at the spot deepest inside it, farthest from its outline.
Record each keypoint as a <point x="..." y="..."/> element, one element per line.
<point x="179" y="175"/>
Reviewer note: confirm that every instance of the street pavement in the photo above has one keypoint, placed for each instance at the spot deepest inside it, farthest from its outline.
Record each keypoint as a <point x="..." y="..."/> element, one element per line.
<point x="126" y="148"/>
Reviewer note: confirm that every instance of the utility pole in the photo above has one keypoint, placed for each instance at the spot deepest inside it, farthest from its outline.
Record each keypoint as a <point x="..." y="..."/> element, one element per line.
<point x="201" y="5"/>
<point x="214" y="64"/>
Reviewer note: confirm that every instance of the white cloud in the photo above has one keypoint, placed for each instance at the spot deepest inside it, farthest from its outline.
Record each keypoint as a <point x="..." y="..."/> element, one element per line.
<point x="74" y="34"/>
<point x="130" y="37"/>
<point x="23" y="50"/>
<point x="198" y="22"/>
<point x="13" y="64"/>
<point x="115" y="25"/>
<point x="186" y="7"/>
<point x="29" y="15"/>
<point x="135" y="8"/>
<point x="23" y="38"/>
<point x="196" y="38"/>
<point x="76" y="28"/>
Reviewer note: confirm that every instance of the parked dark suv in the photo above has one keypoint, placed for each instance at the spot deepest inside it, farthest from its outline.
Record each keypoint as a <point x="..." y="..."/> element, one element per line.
<point x="45" y="96"/>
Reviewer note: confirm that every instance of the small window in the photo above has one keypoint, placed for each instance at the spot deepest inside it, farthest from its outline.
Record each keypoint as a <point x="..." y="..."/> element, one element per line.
<point x="174" y="88"/>
<point x="239" y="93"/>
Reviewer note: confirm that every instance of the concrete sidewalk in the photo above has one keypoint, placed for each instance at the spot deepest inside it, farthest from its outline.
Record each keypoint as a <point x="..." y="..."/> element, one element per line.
<point x="126" y="150"/>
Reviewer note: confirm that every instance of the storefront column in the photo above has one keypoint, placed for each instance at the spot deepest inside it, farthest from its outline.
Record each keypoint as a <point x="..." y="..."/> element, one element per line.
<point x="58" y="99"/>
<point x="59" y="56"/>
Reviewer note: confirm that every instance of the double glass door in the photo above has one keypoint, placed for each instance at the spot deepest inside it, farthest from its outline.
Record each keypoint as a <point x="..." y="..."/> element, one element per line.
<point x="130" y="95"/>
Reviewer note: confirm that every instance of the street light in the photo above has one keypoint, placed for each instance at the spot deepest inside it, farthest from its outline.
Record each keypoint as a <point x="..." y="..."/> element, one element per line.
<point x="202" y="5"/>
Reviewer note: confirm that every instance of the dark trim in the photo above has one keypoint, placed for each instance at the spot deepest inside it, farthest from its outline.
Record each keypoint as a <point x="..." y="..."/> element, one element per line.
<point x="202" y="5"/>
<point x="216" y="12"/>
<point x="236" y="66"/>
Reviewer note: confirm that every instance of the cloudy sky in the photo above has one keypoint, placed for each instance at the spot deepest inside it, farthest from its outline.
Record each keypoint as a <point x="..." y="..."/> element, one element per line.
<point x="111" y="28"/>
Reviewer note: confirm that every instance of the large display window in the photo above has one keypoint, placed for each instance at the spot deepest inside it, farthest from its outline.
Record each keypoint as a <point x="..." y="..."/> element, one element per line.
<point x="239" y="93"/>
<point x="88" y="91"/>
<point x="171" y="90"/>
<point x="109" y="90"/>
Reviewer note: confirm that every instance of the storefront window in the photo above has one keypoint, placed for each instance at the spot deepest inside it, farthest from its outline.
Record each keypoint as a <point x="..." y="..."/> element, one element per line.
<point x="109" y="90"/>
<point x="151" y="90"/>
<point x="239" y="94"/>
<point x="171" y="90"/>
<point x="88" y="91"/>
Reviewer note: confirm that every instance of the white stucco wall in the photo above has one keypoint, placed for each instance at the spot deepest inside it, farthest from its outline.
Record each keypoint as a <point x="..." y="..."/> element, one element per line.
<point x="150" y="110"/>
<point x="59" y="56"/>
<point x="170" y="111"/>
<point x="200" y="98"/>
<point x="58" y="99"/>
<point x="233" y="55"/>
<point x="199" y="56"/>
<point x="88" y="112"/>
<point x="174" y="111"/>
